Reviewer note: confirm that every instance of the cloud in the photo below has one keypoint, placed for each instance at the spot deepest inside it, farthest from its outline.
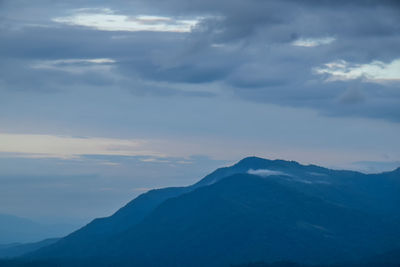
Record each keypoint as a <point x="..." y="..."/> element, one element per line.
<point x="271" y="52"/>
<point x="107" y="20"/>
<point x="376" y="71"/>
<point x="312" y="42"/>
<point x="76" y="65"/>
<point x="77" y="61"/>
<point x="317" y="174"/>
<point x="266" y="172"/>
<point x="158" y="160"/>
<point x="53" y="146"/>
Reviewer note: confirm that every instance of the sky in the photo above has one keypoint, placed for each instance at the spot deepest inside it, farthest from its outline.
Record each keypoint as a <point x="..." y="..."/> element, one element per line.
<point x="101" y="101"/>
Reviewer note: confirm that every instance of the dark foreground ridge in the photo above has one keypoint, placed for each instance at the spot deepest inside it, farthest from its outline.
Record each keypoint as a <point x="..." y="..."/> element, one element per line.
<point x="257" y="212"/>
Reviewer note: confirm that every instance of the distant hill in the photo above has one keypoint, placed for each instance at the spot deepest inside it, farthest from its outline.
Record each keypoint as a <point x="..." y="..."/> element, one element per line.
<point x="257" y="210"/>
<point x="15" y="229"/>
<point x="16" y="250"/>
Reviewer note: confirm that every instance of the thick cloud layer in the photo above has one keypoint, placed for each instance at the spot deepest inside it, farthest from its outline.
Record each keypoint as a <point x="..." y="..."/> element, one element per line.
<point x="264" y="51"/>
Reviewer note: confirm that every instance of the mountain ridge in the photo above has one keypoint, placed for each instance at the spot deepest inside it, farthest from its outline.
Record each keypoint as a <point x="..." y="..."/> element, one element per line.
<point x="333" y="189"/>
<point x="15" y="229"/>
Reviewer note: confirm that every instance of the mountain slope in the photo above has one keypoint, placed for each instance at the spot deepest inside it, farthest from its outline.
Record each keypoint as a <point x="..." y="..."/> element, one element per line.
<point x="244" y="218"/>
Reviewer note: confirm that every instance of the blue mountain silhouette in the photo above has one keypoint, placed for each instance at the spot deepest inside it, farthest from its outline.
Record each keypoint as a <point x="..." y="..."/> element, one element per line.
<point x="256" y="210"/>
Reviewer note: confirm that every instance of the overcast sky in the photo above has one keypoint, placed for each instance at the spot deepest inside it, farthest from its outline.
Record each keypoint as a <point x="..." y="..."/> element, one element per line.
<point x="102" y="100"/>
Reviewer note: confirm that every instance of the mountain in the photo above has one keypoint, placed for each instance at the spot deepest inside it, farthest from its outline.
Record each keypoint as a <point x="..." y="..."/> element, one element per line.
<point x="15" y="229"/>
<point x="17" y="249"/>
<point x="244" y="217"/>
<point x="256" y="210"/>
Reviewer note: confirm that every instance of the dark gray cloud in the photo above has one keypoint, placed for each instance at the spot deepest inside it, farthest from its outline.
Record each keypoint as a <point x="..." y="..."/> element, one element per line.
<point x="246" y="47"/>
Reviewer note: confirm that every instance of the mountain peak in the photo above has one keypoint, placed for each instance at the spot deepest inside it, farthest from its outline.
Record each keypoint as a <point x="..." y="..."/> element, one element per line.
<point x="254" y="162"/>
<point x="246" y="164"/>
<point x="252" y="159"/>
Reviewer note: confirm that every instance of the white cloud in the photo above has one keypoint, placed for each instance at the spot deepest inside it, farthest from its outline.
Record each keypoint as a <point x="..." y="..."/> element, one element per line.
<point x="312" y="42"/>
<point x="76" y="65"/>
<point x="266" y="172"/>
<point x="108" y="20"/>
<point x="155" y="160"/>
<point x="54" y="146"/>
<point x="376" y="71"/>
<point x="46" y="63"/>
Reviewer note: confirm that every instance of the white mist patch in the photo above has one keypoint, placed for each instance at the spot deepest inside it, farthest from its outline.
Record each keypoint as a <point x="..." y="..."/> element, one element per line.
<point x="266" y="172"/>
<point x="376" y="71"/>
<point x="312" y="42"/>
<point x="317" y="174"/>
<point x="107" y="20"/>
